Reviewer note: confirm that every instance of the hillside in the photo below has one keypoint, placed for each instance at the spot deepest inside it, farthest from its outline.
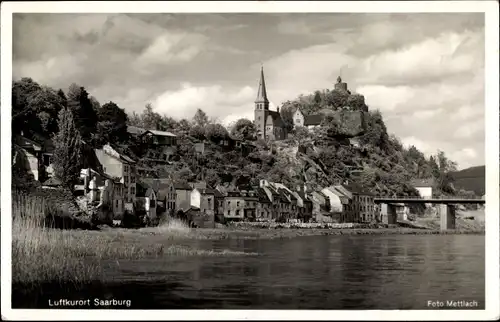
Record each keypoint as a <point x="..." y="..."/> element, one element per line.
<point x="471" y="179"/>
<point x="351" y="143"/>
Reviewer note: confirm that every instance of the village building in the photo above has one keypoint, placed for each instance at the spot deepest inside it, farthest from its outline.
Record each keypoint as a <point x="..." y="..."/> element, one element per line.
<point x="308" y="121"/>
<point x="182" y="196"/>
<point x="203" y="199"/>
<point x="264" y="206"/>
<point x="269" y="124"/>
<point x="165" y="195"/>
<point x="424" y="187"/>
<point x="146" y="200"/>
<point x="159" y="144"/>
<point x="34" y="156"/>
<point x="362" y="206"/>
<point x="304" y="204"/>
<point x="338" y="203"/>
<point x="321" y="206"/>
<point x="241" y="205"/>
<point x="120" y="166"/>
<point x="98" y="190"/>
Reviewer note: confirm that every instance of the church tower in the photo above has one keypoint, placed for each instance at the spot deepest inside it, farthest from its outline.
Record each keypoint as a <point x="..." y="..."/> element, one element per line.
<point x="261" y="107"/>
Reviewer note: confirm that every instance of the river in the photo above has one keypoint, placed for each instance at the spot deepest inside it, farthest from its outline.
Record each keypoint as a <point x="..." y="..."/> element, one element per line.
<point x="314" y="272"/>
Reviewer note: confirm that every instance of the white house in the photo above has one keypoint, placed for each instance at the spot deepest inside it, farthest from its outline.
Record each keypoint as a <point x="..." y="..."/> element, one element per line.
<point x="424" y="187"/>
<point x="308" y="121"/>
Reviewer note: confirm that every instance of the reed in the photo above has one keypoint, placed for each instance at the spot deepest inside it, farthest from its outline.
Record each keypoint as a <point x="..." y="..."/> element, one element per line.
<point x="41" y="254"/>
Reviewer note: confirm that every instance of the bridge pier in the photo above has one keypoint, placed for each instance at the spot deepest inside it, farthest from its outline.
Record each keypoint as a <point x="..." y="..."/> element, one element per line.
<point x="447" y="216"/>
<point x="388" y="214"/>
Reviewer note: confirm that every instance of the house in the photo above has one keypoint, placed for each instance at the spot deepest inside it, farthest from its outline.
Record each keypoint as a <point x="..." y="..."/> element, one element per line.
<point x="424" y="187"/>
<point x="241" y="205"/>
<point x="362" y="206"/>
<point x="304" y="204"/>
<point x="284" y="204"/>
<point x="308" y="121"/>
<point x="263" y="212"/>
<point x="34" y="156"/>
<point x="321" y="206"/>
<point x="146" y="200"/>
<point x="338" y="202"/>
<point x="160" y="144"/>
<point x="165" y="195"/>
<point x="182" y="196"/>
<point x="204" y="200"/>
<point x="118" y="165"/>
<point x="90" y="191"/>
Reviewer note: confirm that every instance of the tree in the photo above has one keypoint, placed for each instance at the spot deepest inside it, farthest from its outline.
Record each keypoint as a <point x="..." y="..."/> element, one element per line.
<point x="286" y="113"/>
<point x="67" y="150"/>
<point x="244" y="129"/>
<point x="184" y="125"/>
<point x="150" y="119"/>
<point x="317" y="98"/>
<point x="168" y="123"/>
<point x="35" y="108"/>
<point x="337" y="99"/>
<point x="85" y="116"/>
<point x="200" y="118"/>
<point x="215" y="132"/>
<point x="356" y="102"/>
<point x="301" y="134"/>
<point x="112" y="125"/>
<point x="197" y="132"/>
<point x="134" y="120"/>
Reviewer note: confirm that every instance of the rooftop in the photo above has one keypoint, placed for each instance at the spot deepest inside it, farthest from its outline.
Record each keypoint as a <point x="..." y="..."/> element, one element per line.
<point x="313" y="119"/>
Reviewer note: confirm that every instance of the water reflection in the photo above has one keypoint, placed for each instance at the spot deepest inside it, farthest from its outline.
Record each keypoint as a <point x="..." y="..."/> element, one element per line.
<point x="322" y="272"/>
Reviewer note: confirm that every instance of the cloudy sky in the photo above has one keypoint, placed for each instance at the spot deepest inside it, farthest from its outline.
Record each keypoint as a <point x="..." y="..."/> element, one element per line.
<point x="424" y="72"/>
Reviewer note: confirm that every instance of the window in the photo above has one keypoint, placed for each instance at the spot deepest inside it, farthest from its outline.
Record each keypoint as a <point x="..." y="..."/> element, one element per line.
<point x="47" y="160"/>
<point x="228" y="203"/>
<point x="152" y="203"/>
<point x="237" y="212"/>
<point x="258" y="118"/>
<point x="237" y="203"/>
<point x="229" y="212"/>
<point x="132" y="190"/>
<point x="209" y="201"/>
<point x="116" y="203"/>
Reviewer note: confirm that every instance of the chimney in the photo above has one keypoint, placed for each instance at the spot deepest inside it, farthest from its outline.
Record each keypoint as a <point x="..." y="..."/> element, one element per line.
<point x="278" y="109"/>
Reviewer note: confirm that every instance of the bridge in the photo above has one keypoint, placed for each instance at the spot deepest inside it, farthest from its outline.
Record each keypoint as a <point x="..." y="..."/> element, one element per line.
<point x="446" y="209"/>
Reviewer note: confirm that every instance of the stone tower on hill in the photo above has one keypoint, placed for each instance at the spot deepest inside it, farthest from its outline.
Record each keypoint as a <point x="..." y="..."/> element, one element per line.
<point x="269" y="124"/>
<point x="341" y="85"/>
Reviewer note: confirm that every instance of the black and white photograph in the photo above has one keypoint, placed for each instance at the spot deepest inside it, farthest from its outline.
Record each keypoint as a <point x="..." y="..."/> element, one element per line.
<point x="250" y="157"/>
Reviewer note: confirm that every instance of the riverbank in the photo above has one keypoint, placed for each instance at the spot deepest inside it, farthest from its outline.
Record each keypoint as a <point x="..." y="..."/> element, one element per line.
<point x="41" y="254"/>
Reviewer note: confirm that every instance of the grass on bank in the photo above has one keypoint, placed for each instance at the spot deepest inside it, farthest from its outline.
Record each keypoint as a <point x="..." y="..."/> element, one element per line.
<point x="41" y="254"/>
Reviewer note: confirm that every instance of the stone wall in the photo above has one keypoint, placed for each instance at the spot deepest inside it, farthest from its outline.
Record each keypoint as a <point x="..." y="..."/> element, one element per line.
<point x="353" y="122"/>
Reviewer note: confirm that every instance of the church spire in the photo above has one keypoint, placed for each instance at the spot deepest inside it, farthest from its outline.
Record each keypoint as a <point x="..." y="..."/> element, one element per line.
<point x="262" y="93"/>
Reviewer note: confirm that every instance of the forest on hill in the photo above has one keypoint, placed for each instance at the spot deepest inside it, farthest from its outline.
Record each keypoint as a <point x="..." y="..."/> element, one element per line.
<point x="471" y="179"/>
<point x="317" y="158"/>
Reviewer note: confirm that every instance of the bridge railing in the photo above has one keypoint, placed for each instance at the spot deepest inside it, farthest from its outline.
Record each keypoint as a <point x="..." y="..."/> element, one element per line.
<point x="431" y="198"/>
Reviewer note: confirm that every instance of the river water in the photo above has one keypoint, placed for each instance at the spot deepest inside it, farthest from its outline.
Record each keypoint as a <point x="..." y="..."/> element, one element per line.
<point x="315" y="272"/>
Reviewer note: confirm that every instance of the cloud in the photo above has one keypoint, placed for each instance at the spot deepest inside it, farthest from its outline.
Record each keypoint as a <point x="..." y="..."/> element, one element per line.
<point x="222" y="103"/>
<point x="424" y="72"/>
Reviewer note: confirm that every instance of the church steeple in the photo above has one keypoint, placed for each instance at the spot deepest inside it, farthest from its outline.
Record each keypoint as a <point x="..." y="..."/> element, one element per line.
<point x="262" y="93"/>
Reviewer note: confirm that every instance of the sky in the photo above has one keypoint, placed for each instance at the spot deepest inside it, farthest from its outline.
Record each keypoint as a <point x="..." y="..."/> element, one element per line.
<point x="424" y="72"/>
